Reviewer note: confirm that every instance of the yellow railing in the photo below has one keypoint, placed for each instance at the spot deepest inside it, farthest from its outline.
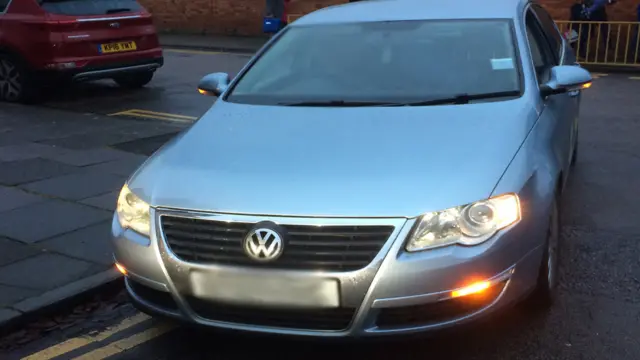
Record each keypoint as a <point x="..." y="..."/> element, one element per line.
<point x="612" y="43"/>
<point x="293" y="17"/>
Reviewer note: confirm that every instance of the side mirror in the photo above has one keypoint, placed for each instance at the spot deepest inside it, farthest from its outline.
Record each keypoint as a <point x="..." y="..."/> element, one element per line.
<point x="566" y="78"/>
<point x="213" y="84"/>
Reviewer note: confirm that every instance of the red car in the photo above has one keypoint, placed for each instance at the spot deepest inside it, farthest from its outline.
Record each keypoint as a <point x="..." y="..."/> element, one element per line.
<point x="52" y="41"/>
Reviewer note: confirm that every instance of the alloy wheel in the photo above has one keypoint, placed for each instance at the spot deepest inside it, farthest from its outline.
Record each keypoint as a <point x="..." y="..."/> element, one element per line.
<point x="10" y="81"/>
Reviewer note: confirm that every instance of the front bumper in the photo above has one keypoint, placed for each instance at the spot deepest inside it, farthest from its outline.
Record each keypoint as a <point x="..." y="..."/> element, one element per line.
<point x="397" y="293"/>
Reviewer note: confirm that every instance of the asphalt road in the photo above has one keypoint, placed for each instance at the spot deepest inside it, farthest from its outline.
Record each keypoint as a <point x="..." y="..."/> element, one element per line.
<point x="171" y="95"/>
<point x="597" y="314"/>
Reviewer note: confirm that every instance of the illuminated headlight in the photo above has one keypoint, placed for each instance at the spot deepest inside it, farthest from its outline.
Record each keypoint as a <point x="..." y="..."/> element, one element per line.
<point x="469" y="225"/>
<point x="133" y="213"/>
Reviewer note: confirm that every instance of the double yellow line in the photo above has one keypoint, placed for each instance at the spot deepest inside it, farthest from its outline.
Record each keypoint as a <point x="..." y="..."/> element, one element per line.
<point x="147" y="114"/>
<point x="109" y="348"/>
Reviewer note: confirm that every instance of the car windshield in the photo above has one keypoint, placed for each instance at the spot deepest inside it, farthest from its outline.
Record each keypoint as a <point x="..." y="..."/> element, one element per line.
<point x="383" y="62"/>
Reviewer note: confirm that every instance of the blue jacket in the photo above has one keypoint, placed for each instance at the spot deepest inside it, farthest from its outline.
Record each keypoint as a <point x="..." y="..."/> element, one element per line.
<point x="597" y="4"/>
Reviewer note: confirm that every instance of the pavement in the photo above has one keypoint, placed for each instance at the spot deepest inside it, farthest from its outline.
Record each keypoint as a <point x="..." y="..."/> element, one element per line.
<point x="214" y="42"/>
<point x="62" y="163"/>
<point x="60" y="173"/>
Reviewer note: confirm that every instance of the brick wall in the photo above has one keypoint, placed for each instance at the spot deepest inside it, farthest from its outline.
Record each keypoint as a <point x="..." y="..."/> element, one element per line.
<point x="244" y="17"/>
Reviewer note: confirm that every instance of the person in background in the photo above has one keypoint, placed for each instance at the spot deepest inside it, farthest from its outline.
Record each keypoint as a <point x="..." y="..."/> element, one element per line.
<point x="284" y="19"/>
<point x="591" y="11"/>
<point x="597" y="8"/>
<point x="278" y="9"/>
<point x="578" y="18"/>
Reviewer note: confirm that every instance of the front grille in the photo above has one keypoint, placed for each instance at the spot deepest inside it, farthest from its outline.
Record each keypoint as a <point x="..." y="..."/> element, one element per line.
<point x="316" y="319"/>
<point x="331" y="248"/>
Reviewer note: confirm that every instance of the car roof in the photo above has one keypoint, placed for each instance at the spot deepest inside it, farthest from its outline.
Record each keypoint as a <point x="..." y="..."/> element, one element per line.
<point x="395" y="10"/>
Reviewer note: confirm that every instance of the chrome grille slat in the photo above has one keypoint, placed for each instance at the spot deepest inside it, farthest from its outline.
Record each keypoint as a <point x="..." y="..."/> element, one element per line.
<point x="308" y="247"/>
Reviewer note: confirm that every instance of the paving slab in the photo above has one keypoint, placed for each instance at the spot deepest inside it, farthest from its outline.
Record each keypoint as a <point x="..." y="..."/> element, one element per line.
<point x="103" y="138"/>
<point x="12" y="294"/>
<point x="77" y="186"/>
<point x="106" y="201"/>
<point x="13" y="198"/>
<point x="40" y="221"/>
<point x="24" y="171"/>
<point x="85" y="157"/>
<point x="27" y="150"/>
<point x="59" y="182"/>
<point x="8" y="315"/>
<point x="54" y="270"/>
<point x="124" y="167"/>
<point x="90" y="243"/>
<point x="12" y="251"/>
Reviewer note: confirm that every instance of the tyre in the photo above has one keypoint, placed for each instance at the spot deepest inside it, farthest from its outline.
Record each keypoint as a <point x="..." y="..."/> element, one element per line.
<point x="134" y="80"/>
<point x="15" y="81"/>
<point x="546" y="288"/>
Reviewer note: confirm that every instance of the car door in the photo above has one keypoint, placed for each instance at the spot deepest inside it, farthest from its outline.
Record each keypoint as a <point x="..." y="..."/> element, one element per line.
<point x="560" y="107"/>
<point x="565" y="56"/>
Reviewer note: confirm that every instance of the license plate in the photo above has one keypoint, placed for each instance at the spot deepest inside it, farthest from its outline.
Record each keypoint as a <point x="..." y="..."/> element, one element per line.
<point x="117" y="47"/>
<point x="277" y="290"/>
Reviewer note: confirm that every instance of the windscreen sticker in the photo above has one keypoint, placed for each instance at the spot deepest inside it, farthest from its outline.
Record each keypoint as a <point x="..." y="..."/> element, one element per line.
<point x="502" y="64"/>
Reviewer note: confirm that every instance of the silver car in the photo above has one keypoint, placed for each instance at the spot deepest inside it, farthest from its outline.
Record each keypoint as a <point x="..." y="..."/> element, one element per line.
<point x="378" y="168"/>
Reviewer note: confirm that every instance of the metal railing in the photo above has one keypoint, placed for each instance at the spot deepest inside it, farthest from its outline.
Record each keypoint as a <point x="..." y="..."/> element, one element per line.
<point x="611" y="43"/>
<point x="293" y="17"/>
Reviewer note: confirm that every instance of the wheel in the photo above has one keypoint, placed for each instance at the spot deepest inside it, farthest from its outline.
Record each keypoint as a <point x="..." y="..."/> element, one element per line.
<point x="134" y="80"/>
<point x="546" y="288"/>
<point x="15" y="84"/>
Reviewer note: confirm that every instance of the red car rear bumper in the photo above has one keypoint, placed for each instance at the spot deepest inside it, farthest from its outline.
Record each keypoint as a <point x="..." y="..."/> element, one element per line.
<point x="105" y="66"/>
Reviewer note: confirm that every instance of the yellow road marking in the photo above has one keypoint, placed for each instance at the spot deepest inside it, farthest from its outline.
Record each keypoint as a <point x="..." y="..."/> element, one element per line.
<point x="59" y="349"/>
<point x="147" y="116"/>
<point x="165" y="114"/>
<point x="634" y="77"/>
<point x="76" y="343"/>
<point x="126" y="343"/>
<point x="599" y="74"/>
<point x="195" y="51"/>
<point x="155" y="115"/>
<point x="123" y="325"/>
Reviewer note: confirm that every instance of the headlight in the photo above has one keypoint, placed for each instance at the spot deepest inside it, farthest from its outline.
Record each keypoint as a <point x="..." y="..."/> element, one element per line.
<point x="470" y="224"/>
<point x="133" y="213"/>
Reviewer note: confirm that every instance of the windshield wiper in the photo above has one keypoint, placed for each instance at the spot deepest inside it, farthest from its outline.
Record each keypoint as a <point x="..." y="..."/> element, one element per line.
<point x="464" y="98"/>
<point x="455" y="99"/>
<point x="339" y="103"/>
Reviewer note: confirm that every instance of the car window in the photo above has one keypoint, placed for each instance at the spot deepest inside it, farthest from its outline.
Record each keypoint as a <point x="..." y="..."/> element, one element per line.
<point x="541" y="53"/>
<point x="89" y="7"/>
<point x="550" y="29"/>
<point x="3" y="5"/>
<point x="383" y="61"/>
